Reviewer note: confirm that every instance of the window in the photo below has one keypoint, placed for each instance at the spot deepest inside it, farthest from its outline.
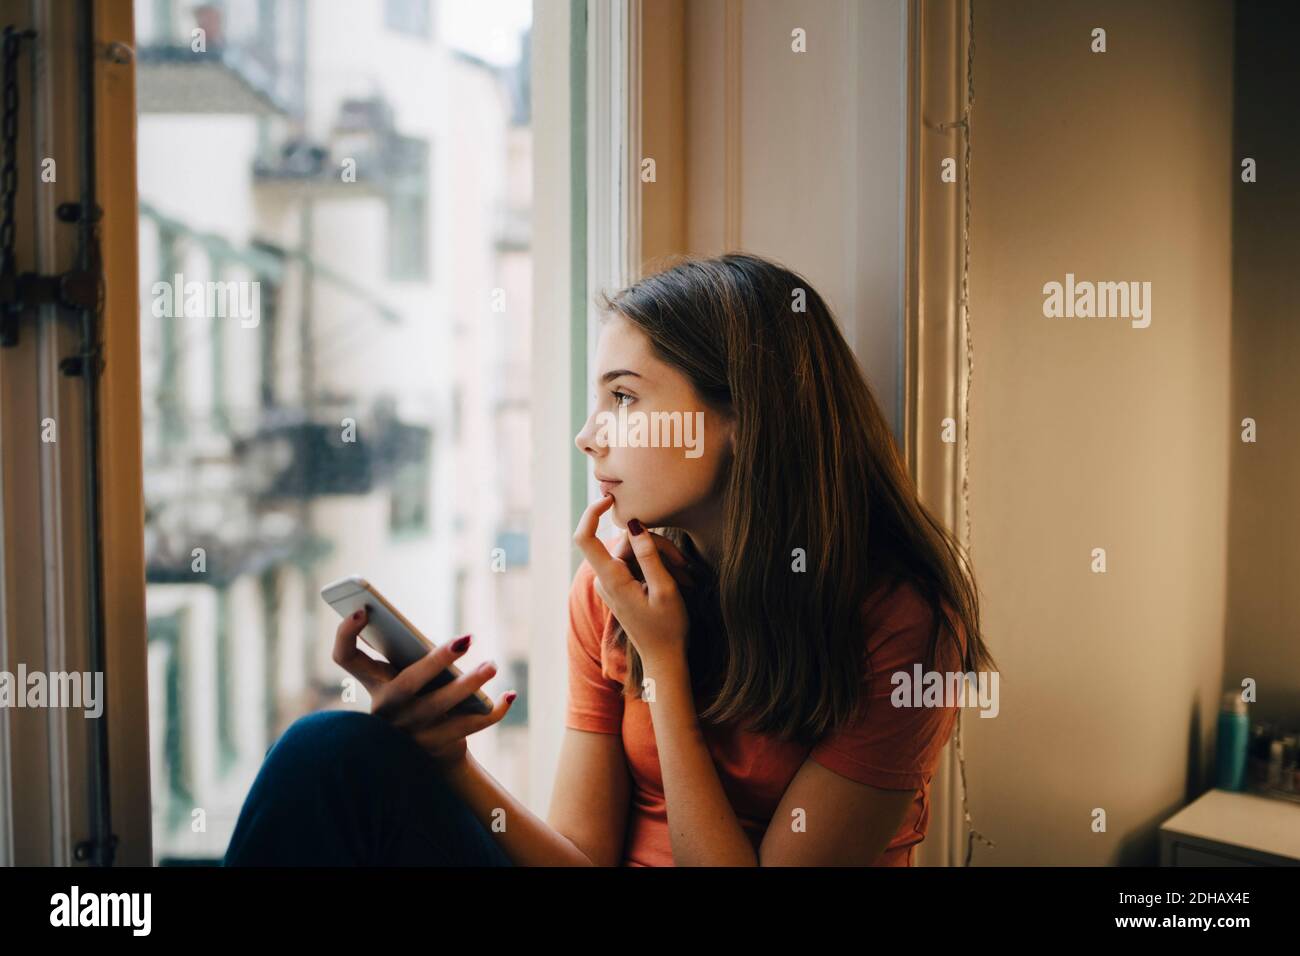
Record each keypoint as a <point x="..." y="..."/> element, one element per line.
<point x="230" y="159"/>
<point x="165" y="636"/>
<point x="408" y="16"/>
<point x="409" y="251"/>
<point x="409" y="506"/>
<point x="349" y="426"/>
<point x="408" y="236"/>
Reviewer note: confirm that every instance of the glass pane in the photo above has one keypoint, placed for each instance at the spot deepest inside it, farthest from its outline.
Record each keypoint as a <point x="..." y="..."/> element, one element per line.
<point x="335" y="239"/>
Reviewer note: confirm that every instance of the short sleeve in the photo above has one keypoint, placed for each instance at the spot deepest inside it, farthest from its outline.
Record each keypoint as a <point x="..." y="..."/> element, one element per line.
<point x="595" y="700"/>
<point x="887" y="746"/>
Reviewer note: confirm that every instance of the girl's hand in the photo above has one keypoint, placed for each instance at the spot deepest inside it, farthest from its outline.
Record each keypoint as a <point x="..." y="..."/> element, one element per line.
<point x="652" y="613"/>
<point x="394" y="694"/>
<point x="678" y="565"/>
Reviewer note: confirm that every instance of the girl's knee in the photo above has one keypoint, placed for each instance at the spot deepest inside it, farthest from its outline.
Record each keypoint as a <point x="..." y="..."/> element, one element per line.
<point x="332" y="735"/>
<point x="335" y="725"/>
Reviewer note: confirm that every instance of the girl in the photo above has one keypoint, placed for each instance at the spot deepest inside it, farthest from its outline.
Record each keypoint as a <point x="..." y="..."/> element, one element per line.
<point x="738" y="684"/>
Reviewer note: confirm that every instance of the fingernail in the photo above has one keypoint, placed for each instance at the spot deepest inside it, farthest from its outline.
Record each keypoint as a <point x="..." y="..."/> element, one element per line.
<point x="510" y="697"/>
<point x="635" y="526"/>
<point x="460" y="643"/>
<point x="356" y="616"/>
<point x="487" y="666"/>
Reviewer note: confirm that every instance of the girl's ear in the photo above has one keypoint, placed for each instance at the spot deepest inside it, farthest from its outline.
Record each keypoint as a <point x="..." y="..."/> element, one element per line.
<point x="729" y="433"/>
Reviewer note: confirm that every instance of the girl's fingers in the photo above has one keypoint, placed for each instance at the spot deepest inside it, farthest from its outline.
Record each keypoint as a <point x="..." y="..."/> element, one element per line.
<point x="657" y="578"/>
<point x="610" y="571"/>
<point x="358" y="663"/>
<point x="445" y="732"/>
<point x="411" y="679"/>
<point x="676" y="562"/>
<point x="669" y="551"/>
<point x="430" y="707"/>
<point x="592" y="548"/>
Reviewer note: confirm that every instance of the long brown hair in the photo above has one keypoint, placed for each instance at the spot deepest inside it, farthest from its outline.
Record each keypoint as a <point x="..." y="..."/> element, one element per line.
<point x="815" y="466"/>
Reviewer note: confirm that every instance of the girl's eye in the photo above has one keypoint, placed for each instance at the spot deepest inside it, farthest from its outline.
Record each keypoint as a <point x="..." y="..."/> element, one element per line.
<point x="619" y="396"/>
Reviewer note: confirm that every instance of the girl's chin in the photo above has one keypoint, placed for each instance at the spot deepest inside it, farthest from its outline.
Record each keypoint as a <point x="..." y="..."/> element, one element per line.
<point x="623" y="512"/>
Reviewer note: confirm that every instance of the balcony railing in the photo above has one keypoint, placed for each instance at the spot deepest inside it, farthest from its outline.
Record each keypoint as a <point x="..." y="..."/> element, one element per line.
<point x="364" y="155"/>
<point x="296" y="456"/>
<point x="239" y="498"/>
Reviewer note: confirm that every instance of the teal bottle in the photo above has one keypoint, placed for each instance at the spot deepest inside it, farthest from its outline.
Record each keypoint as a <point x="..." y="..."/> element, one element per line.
<point x="1230" y="747"/>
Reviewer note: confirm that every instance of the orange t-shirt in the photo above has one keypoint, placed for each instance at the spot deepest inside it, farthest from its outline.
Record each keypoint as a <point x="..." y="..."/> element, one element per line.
<point x="894" y="748"/>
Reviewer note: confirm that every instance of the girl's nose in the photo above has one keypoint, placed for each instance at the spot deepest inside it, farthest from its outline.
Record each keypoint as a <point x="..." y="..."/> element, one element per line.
<point x="586" y="439"/>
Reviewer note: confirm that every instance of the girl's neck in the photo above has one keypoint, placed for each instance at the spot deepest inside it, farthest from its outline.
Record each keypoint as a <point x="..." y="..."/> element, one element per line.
<point x="707" y="543"/>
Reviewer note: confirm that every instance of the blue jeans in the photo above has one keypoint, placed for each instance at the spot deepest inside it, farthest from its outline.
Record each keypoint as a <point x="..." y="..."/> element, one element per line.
<point x="346" y="788"/>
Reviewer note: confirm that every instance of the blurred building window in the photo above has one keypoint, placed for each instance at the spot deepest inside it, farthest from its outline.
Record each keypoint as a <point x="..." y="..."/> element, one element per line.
<point x="409" y="506"/>
<point x="409" y="252"/>
<point x="408" y="16"/>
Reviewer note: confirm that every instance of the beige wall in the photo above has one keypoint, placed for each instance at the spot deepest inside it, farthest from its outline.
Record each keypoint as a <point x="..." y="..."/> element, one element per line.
<point x="663" y="127"/>
<point x="1089" y="433"/>
<point x="793" y="156"/>
<point x="1263" y="622"/>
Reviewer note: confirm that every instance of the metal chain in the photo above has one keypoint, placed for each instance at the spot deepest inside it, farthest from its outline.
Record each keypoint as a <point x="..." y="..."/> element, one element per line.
<point x="9" y="131"/>
<point x="965" y="123"/>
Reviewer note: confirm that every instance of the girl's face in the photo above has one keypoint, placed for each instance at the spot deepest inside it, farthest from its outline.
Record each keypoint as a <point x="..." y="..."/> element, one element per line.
<point x="642" y="401"/>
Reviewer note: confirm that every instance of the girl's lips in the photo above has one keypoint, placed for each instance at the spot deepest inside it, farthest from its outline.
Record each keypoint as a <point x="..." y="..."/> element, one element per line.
<point x="608" y="486"/>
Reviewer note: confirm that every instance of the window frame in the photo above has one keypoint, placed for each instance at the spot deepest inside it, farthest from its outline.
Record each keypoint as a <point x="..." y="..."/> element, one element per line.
<point x="65" y="779"/>
<point x="585" y="89"/>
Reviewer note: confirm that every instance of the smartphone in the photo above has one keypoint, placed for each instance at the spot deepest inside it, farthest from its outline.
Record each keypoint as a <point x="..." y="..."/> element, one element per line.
<point x="388" y="632"/>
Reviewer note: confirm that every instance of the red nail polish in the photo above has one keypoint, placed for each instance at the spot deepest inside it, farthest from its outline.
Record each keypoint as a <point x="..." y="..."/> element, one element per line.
<point x="460" y="643"/>
<point x="357" y="614"/>
<point x="510" y="697"/>
<point x="634" y="526"/>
